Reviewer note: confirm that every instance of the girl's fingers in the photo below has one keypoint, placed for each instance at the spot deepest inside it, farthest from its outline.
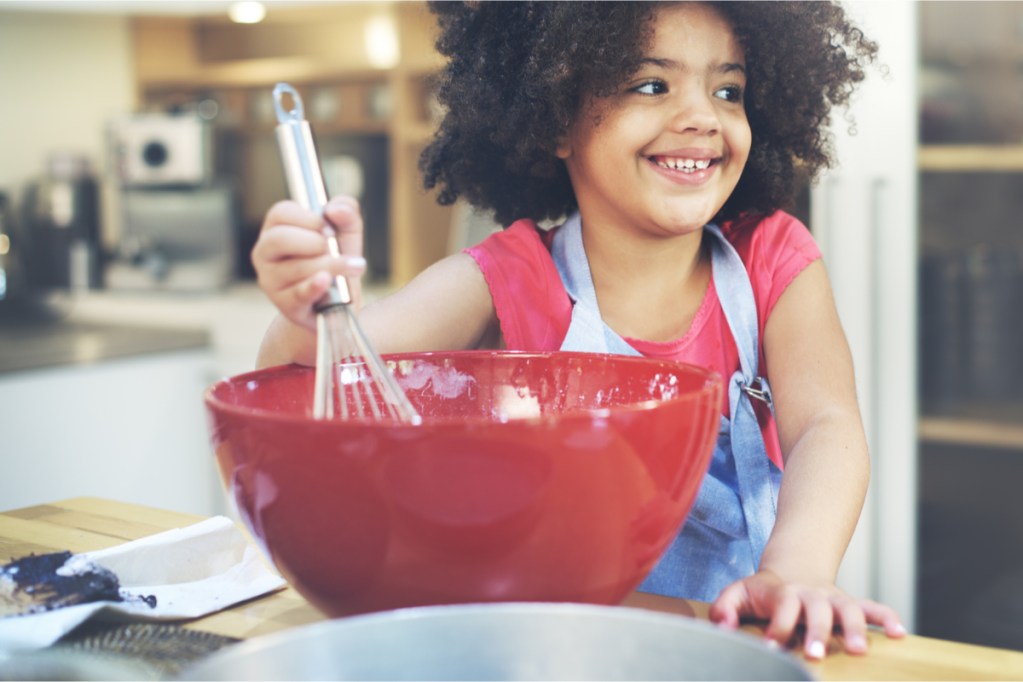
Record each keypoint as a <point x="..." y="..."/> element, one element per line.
<point x="310" y="290"/>
<point x="343" y="214"/>
<point x="291" y="213"/>
<point x="294" y="286"/>
<point x="784" y="620"/>
<point x="289" y="272"/>
<point x="296" y="302"/>
<point x="726" y="609"/>
<point x="884" y="617"/>
<point x="290" y="231"/>
<point x="854" y="625"/>
<point x="814" y="611"/>
<point x="285" y="241"/>
<point x="292" y="260"/>
<point x="819" y="621"/>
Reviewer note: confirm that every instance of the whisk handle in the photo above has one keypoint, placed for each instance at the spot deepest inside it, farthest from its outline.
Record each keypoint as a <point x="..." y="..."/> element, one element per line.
<point x="304" y="176"/>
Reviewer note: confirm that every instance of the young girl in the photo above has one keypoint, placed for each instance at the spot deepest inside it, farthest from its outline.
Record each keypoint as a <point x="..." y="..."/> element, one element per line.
<point x="664" y="139"/>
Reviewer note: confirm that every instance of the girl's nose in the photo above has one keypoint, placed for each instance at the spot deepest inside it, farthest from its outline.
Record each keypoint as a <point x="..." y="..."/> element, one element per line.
<point x="694" y="111"/>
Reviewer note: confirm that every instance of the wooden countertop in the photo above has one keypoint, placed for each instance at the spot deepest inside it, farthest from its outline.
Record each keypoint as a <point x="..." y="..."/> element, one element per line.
<point x="84" y="524"/>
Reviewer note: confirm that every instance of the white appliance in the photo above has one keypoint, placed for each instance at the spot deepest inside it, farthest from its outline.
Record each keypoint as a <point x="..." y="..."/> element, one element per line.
<point x="179" y="220"/>
<point x="153" y="150"/>
<point x="177" y="239"/>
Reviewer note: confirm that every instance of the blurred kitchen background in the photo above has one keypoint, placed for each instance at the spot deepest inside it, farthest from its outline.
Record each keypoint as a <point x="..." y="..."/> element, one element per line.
<point x="139" y="157"/>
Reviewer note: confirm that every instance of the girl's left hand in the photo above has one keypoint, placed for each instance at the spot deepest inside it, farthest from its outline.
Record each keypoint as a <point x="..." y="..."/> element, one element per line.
<point x="818" y="608"/>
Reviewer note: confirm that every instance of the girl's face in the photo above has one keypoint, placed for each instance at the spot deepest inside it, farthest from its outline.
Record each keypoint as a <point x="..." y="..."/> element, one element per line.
<point x="663" y="154"/>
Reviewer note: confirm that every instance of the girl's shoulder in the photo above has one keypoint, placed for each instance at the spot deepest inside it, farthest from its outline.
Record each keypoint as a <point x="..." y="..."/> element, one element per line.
<point x="522" y="247"/>
<point x="521" y="236"/>
<point x="529" y="298"/>
<point x="777" y="245"/>
<point x="777" y="232"/>
<point x="775" y="249"/>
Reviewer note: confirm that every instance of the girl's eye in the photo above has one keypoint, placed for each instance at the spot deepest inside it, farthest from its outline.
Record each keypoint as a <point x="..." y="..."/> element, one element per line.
<point x="652" y="87"/>
<point x="730" y="93"/>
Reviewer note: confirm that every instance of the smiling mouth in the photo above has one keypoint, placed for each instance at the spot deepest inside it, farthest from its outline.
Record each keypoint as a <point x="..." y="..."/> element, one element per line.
<point x="684" y="165"/>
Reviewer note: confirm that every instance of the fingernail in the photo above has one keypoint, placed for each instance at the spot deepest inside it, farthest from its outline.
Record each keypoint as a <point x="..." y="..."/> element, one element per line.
<point x="815" y="649"/>
<point x="899" y="630"/>
<point x="355" y="262"/>
<point x="772" y="644"/>
<point x="856" y="643"/>
<point x="341" y="204"/>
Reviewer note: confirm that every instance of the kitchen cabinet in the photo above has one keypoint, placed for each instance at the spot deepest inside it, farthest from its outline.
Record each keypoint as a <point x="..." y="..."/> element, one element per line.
<point x="379" y="113"/>
<point x="130" y="428"/>
<point x="920" y="228"/>
<point x="971" y="173"/>
<point x="104" y="396"/>
<point x="101" y="393"/>
<point x="971" y="294"/>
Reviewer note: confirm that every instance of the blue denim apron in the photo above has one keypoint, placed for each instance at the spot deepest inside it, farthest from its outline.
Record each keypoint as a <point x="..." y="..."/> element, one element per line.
<point x="734" y="512"/>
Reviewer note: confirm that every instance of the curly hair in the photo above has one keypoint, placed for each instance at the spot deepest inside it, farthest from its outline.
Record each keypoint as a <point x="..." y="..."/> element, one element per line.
<point x="518" y="73"/>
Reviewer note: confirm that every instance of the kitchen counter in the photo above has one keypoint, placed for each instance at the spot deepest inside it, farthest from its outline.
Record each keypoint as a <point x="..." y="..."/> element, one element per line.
<point x="104" y="407"/>
<point x="37" y="344"/>
<point x="98" y="325"/>
<point x="94" y="326"/>
<point x="84" y="524"/>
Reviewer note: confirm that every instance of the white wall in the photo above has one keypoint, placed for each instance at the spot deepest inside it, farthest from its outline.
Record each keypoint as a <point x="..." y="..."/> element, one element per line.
<point x="62" y="77"/>
<point x="865" y="215"/>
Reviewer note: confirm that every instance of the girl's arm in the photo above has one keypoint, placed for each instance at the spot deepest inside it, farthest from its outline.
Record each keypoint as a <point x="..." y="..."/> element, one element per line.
<point x="827" y="469"/>
<point x="448" y="306"/>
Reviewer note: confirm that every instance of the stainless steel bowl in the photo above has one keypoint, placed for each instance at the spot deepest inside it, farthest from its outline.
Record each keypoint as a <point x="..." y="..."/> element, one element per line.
<point x="510" y="641"/>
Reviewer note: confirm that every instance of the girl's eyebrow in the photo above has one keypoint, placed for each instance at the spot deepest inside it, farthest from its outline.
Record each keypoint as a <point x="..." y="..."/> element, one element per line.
<point x="664" y="63"/>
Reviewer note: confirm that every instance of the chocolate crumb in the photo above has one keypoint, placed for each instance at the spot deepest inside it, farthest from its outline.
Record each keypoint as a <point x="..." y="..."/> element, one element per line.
<point x="44" y="582"/>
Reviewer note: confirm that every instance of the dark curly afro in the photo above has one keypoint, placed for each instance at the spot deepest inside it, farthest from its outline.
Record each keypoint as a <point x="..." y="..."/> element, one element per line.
<point x="518" y="73"/>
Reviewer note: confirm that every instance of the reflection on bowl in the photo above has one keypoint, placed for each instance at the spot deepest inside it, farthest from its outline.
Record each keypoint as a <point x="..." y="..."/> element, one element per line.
<point x="504" y="642"/>
<point x="533" y="477"/>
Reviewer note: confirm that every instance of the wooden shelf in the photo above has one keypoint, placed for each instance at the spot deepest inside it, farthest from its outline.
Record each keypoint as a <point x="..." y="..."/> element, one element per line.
<point x="417" y="133"/>
<point x="258" y="73"/>
<point x="266" y="130"/>
<point x="971" y="431"/>
<point x="971" y="158"/>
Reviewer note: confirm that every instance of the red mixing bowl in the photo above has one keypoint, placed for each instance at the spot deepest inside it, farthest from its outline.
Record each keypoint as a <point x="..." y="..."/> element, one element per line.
<point x="533" y="477"/>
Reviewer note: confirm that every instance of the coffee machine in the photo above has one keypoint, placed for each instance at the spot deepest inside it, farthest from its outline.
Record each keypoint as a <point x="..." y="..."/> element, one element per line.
<point x="179" y="216"/>
<point x="13" y="287"/>
<point x="60" y="222"/>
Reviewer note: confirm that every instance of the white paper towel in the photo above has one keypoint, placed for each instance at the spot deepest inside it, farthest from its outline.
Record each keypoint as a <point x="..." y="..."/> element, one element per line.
<point x="191" y="571"/>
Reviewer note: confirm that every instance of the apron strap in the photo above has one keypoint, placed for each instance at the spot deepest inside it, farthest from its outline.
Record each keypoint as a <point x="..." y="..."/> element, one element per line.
<point x="758" y="484"/>
<point x="586" y="332"/>
<point x="739" y="305"/>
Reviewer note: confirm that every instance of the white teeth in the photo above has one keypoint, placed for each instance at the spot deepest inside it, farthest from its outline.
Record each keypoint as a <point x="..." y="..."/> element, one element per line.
<point x="685" y="165"/>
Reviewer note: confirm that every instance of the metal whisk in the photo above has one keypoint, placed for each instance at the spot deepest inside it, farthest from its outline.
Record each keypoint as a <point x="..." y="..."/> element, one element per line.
<point x="351" y="378"/>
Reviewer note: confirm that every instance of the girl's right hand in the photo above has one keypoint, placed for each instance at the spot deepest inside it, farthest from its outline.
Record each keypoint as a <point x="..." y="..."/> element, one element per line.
<point x="293" y="266"/>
